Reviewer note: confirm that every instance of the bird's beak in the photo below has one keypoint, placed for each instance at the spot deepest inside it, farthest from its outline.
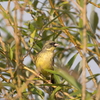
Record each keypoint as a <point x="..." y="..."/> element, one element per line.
<point x="56" y="44"/>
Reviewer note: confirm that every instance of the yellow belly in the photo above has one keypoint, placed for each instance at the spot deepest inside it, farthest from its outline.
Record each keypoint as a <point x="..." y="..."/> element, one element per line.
<point x="44" y="61"/>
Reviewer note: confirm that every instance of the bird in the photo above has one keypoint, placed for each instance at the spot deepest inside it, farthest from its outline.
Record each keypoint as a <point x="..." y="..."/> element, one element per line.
<point x="45" y="58"/>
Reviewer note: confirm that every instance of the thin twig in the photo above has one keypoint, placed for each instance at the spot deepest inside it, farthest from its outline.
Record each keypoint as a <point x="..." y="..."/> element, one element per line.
<point x="2" y="44"/>
<point x="84" y="53"/>
<point x="78" y="6"/>
<point x="94" y="4"/>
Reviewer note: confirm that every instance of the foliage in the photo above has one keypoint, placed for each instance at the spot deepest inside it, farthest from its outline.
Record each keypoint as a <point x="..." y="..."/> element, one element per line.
<point x="62" y="21"/>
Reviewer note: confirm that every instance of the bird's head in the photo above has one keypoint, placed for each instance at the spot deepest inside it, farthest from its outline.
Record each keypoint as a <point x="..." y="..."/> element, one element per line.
<point x="50" y="45"/>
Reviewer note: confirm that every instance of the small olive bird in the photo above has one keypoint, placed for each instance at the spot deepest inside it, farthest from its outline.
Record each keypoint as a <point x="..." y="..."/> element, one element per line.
<point x="45" y="58"/>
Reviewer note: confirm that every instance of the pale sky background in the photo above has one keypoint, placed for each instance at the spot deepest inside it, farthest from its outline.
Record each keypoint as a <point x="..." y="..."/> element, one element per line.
<point x="93" y="65"/>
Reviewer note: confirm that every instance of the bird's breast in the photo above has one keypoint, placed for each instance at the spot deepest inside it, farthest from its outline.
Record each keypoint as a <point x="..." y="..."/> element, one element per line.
<point x="44" y="61"/>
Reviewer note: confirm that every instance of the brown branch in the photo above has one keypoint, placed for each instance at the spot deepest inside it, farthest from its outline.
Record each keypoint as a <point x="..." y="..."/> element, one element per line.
<point x="96" y="5"/>
<point x="2" y="44"/>
<point x="65" y="93"/>
<point x="84" y="53"/>
<point x="17" y="37"/>
<point x="8" y="16"/>
<point x="78" y="6"/>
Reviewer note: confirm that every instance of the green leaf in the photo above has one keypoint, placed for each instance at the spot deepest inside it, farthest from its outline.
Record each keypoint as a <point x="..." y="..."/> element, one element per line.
<point x="56" y="78"/>
<point x="2" y="65"/>
<point x="78" y="68"/>
<point x="52" y="96"/>
<point x="35" y="4"/>
<point x="92" y="76"/>
<point x="37" y="91"/>
<point x="63" y="73"/>
<point x="8" y="85"/>
<point x="91" y="45"/>
<point x="99" y="4"/>
<point x="71" y="61"/>
<point x="71" y="17"/>
<point x="11" y="53"/>
<point x="94" y="21"/>
<point x="81" y="3"/>
<point x="63" y="3"/>
<point x="32" y="38"/>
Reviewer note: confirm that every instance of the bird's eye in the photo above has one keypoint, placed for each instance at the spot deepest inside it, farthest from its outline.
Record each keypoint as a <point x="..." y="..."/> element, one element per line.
<point x="52" y="43"/>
